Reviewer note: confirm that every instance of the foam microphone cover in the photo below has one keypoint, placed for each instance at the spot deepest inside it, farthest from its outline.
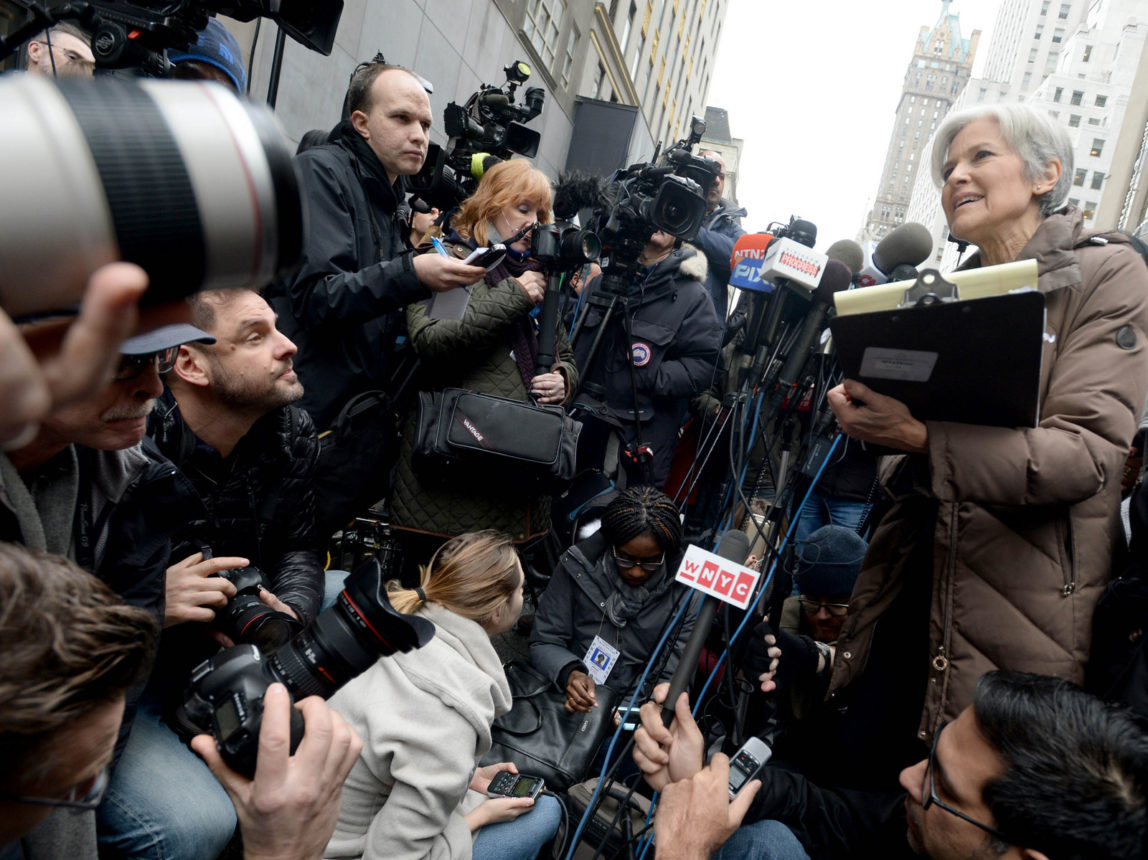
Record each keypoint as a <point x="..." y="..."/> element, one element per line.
<point x="834" y="279"/>
<point x="849" y="253"/>
<point x="908" y="244"/>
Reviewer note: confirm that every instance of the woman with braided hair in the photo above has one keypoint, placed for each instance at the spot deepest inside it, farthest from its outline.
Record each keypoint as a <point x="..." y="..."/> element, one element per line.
<point x="611" y="595"/>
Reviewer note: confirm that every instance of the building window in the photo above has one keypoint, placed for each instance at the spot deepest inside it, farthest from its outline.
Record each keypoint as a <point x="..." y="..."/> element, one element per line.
<point x="542" y="24"/>
<point x="1101" y="101"/>
<point x="1094" y="120"/>
<point x="629" y="26"/>
<point x="1073" y="201"/>
<point x="1027" y="80"/>
<point x="1097" y="147"/>
<point x="1065" y="8"/>
<point x="1044" y="7"/>
<point x="1039" y="31"/>
<point x="1081" y="175"/>
<point x="568" y="59"/>
<point x="1058" y="35"/>
<point x="1077" y="97"/>
<point x="1074" y="120"/>
<point x="1032" y="55"/>
<point x="1097" y="179"/>
<point x="1056" y="95"/>
<point x="1089" y="210"/>
<point x="981" y="95"/>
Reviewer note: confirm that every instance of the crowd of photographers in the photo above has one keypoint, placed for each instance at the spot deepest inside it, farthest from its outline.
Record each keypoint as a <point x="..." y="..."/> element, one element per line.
<point x="171" y="478"/>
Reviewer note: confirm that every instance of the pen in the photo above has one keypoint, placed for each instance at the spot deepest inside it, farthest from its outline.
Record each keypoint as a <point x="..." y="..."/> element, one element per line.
<point x="438" y="246"/>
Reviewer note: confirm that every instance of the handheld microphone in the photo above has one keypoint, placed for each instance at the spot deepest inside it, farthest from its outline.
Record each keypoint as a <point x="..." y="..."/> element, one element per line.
<point x="734" y="546"/>
<point x="837" y="277"/>
<point x="849" y="253"/>
<point x="907" y="245"/>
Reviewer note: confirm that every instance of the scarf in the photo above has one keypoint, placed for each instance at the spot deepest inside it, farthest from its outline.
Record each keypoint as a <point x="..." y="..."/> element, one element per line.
<point x="524" y="331"/>
<point x="626" y="601"/>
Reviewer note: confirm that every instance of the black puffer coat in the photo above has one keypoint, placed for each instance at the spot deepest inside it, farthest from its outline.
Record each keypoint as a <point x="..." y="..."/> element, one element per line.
<point x="257" y="503"/>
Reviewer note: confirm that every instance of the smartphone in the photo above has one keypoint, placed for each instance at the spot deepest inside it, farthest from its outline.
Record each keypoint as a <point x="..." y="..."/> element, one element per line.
<point x="507" y="784"/>
<point x="488" y="258"/>
<point x="629" y="719"/>
<point x="747" y="764"/>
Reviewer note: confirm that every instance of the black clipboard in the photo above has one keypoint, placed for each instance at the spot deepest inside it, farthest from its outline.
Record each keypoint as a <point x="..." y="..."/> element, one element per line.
<point x="975" y="361"/>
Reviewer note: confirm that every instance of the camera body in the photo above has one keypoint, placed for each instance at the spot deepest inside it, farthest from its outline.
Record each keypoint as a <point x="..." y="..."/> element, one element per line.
<point x="224" y="696"/>
<point x="246" y="618"/>
<point x="488" y="128"/>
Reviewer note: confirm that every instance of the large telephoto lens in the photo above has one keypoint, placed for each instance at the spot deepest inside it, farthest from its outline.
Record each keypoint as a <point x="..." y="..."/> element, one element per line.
<point x="347" y="638"/>
<point x="180" y="177"/>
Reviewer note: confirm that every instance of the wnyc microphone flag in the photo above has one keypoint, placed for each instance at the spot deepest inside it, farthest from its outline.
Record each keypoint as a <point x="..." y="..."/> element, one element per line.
<point x="717" y="576"/>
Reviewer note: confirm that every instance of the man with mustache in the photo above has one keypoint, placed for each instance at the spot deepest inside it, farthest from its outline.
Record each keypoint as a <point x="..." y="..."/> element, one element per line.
<point x="227" y="424"/>
<point x="83" y="488"/>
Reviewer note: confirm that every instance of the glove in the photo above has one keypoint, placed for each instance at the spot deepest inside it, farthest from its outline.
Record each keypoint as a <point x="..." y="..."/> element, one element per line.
<point x="798" y="661"/>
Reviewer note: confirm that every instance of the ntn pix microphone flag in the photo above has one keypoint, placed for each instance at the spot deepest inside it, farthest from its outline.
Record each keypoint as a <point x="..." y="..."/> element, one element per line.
<point x="745" y="262"/>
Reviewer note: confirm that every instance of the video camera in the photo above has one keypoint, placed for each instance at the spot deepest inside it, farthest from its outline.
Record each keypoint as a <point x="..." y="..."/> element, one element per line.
<point x="224" y="697"/>
<point x="137" y="35"/>
<point x="487" y="129"/>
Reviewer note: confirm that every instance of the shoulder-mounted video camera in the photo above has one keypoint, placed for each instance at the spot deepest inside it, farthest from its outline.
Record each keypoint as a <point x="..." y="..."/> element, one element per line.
<point x="137" y="35"/>
<point x="486" y="129"/>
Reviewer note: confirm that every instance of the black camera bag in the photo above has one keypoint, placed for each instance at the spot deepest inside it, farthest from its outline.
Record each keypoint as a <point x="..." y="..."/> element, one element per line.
<point x="464" y="437"/>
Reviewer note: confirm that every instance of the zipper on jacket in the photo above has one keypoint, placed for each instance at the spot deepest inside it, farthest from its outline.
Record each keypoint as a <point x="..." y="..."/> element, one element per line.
<point x="1069" y="559"/>
<point x="939" y="663"/>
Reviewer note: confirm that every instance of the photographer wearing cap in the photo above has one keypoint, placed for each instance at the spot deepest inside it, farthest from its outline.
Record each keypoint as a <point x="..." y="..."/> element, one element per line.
<point x="718" y="234"/>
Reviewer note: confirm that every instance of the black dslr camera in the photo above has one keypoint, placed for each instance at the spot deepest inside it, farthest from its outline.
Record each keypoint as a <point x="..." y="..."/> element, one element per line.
<point x="224" y="697"/>
<point x="246" y="618"/>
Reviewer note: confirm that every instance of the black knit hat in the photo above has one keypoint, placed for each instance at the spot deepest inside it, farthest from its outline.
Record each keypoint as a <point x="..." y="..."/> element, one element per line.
<point x="829" y="560"/>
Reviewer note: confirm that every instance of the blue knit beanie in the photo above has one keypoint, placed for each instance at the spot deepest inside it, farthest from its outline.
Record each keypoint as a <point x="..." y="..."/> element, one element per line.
<point x="829" y="560"/>
<point x="217" y="47"/>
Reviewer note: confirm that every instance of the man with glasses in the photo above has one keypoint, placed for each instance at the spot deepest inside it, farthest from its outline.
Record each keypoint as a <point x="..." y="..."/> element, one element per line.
<point x="1034" y="768"/>
<point x="63" y="51"/>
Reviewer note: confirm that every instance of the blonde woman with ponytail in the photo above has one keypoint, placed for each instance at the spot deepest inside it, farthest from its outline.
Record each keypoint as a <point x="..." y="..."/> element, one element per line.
<point x="425" y="719"/>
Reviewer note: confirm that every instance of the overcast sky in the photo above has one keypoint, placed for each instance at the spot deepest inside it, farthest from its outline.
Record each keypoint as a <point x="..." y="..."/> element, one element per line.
<point x="812" y="88"/>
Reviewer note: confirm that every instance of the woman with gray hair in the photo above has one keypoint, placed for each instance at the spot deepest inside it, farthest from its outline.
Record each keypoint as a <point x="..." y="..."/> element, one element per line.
<point x="999" y="540"/>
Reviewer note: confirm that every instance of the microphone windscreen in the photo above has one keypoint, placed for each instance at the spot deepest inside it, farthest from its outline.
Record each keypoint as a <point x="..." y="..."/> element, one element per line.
<point x="574" y="191"/>
<point x="734" y="545"/>
<point x="910" y="243"/>
<point x="834" y="279"/>
<point x="849" y="253"/>
<point x="494" y="100"/>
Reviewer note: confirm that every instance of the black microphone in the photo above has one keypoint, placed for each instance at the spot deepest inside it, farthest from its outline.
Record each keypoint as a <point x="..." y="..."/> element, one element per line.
<point x="734" y="546"/>
<point x="835" y="278"/>
<point x="910" y="244"/>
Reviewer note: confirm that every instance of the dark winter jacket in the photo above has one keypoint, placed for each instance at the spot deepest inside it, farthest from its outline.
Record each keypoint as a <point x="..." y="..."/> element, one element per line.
<point x="342" y="307"/>
<point x="257" y="503"/>
<point x="1023" y="520"/>
<point x="571" y="612"/>
<point x="473" y="353"/>
<point x="675" y="343"/>
<point x="718" y="234"/>
<point x="129" y="503"/>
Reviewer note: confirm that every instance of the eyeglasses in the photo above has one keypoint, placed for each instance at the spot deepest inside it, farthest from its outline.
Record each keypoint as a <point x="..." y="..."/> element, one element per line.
<point x="930" y="796"/>
<point x="133" y="366"/>
<point x="84" y="795"/>
<point x="646" y="564"/>
<point x="837" y="610"/>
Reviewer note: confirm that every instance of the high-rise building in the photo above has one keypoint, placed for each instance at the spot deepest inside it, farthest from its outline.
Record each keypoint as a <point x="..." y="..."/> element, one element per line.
<point x="941" y="64"/>
<point x="1077" y="59"/>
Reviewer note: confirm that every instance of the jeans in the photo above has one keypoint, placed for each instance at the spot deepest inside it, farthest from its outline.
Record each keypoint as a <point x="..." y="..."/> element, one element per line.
<point x="522" y="838"/>
<point x="163" y="803"/>
<point x="822" y="510"/>
<point x="762" y="840"/>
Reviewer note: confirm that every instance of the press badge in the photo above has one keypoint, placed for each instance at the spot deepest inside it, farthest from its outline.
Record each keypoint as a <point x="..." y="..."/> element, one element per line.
<point x="600" y="659"/>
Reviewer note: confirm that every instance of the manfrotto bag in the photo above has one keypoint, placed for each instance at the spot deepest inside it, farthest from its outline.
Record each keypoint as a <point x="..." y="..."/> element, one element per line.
<point x="465" y="437"/>
<point x="541" y="737"/>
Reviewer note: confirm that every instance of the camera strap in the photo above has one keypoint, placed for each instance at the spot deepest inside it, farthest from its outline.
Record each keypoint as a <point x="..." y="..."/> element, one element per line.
<point x="640" y="454"/>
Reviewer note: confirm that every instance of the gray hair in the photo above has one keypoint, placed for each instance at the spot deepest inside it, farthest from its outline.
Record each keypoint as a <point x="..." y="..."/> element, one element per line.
<point x="1033" y="135"/>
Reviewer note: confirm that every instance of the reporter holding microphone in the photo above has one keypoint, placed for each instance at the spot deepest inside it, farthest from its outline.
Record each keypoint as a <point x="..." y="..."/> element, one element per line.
<point x="999" y="540"/>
